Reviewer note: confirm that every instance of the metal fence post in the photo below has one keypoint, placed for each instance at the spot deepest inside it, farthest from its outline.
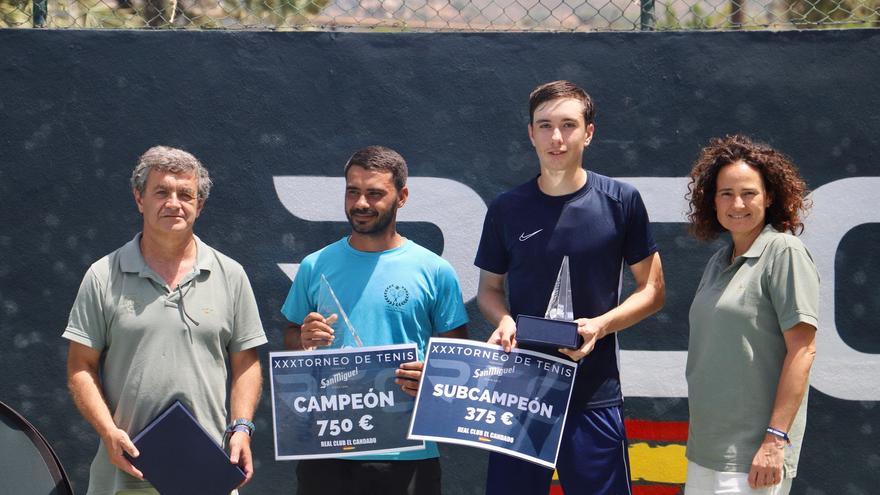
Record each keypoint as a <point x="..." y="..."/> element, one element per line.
<point x="647" y="15"/>
<point x="40" y="10"/>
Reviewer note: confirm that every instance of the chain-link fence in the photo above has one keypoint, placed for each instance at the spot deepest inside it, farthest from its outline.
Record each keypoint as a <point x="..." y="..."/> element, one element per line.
<point x="442" y="15"/>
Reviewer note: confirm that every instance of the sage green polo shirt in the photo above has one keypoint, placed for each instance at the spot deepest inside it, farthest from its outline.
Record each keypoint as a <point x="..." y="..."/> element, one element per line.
<point x="736" y="348"/>
<point x="161" y="344"/>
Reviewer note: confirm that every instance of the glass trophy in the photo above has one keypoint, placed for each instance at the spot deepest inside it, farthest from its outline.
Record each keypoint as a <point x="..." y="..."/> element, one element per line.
<point x="557" y="328"/>
<point x="344" y="332"/>
<point x="560" y="306"/>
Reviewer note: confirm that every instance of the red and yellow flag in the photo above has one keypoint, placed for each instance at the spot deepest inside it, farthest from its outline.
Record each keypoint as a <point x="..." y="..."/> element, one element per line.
<point x="656" y="454"/>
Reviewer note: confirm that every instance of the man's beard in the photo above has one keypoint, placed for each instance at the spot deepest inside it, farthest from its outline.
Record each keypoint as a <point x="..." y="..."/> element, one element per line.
<point x="379" y="226"/>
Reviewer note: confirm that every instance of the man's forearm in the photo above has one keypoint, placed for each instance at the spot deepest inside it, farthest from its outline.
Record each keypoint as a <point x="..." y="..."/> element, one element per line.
<point x="648" y="297"/>
<point x="247" y="383"/>
<point x="493" y="305"/>
<point x="85" y="388"/>
<point x="635" y="308"/>
<point x="293" y="337"/>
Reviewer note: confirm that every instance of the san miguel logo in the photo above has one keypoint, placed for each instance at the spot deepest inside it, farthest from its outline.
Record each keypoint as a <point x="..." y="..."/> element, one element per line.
<point x="396" y="295"/>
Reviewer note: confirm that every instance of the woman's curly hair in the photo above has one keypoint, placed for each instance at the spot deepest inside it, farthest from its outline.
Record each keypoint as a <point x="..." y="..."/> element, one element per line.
<point x="785" y="187"/>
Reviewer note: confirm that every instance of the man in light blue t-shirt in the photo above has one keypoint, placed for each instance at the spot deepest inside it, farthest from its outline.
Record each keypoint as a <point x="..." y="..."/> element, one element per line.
<point x="395" y="292"/>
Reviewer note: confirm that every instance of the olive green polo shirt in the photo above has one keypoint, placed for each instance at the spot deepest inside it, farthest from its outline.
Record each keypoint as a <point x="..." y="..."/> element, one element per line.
<point x="736" y="348"/>
<point x="161" y="344"/>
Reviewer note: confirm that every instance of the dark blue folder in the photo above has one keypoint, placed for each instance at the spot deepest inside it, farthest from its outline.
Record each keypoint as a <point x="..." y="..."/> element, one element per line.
<point x="177" y="456"/>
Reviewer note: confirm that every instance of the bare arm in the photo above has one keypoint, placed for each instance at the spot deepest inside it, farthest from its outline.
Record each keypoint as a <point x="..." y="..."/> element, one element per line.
<point x="800" y="345"/>
<point x="247" y="383"/>
<point x="85" y="388"/>
<point x="293" y="337"/>
<point x="647" y="298"/>
<point x="492" y="301"/>
<point x="456" y="333"/>
<point x="410" y="374"/>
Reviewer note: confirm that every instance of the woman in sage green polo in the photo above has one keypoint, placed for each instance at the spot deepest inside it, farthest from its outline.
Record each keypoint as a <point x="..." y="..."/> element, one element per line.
<point x="752" y="322"/>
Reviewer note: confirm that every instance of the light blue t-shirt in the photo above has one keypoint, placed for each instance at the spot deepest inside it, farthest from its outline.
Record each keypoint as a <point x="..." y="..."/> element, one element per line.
<point x="400" y="296"/>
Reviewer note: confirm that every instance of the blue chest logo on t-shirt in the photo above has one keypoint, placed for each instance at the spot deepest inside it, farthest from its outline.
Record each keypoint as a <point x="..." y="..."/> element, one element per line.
<point x="396" y="295"/>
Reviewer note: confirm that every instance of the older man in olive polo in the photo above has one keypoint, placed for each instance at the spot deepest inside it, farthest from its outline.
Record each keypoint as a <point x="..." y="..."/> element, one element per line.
<point x="160" y="317"/>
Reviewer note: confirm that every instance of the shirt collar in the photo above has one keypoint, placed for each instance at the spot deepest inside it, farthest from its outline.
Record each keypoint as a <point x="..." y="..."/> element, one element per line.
<point x="760" y="242"/>
<point x="132" y="261"/>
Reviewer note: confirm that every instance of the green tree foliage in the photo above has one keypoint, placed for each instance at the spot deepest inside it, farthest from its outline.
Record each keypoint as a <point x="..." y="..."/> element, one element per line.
<point x="833" y="13"/>
<point x="218" y="14"/>
<point x="310" y="14"/>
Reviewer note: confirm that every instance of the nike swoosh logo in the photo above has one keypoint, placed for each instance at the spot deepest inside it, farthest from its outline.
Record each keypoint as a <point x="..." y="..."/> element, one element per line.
<point x="524" y="237"/>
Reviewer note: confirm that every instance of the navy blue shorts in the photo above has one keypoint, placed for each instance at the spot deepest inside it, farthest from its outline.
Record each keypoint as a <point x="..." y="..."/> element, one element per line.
<point x="593" y="460"/>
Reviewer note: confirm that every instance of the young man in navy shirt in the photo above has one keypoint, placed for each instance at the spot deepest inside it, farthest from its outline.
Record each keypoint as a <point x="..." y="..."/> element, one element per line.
<point x="600" y="224"/>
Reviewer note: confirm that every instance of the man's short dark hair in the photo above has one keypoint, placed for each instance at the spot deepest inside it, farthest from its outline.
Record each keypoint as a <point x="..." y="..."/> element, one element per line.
<point x="561" y="89"/>
<point x="380" y="158"/>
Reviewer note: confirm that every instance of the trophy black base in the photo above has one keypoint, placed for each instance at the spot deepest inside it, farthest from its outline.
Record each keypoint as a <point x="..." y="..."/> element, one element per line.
<point x="547" y="334"/>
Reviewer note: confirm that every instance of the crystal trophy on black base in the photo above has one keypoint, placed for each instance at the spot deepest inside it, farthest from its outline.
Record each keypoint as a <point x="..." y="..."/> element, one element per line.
<point x="557" y="328"/>
<point x="344" y="333"/>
